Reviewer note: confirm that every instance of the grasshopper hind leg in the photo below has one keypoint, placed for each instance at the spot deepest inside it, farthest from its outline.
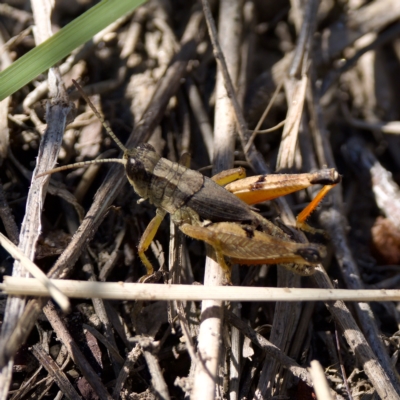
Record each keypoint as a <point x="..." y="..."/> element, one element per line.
<point x="204" y="234"/>
<point x="244" y="245"/>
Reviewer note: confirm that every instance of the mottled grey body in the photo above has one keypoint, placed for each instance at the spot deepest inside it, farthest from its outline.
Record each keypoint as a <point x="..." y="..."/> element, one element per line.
<point x="171" y="186"/>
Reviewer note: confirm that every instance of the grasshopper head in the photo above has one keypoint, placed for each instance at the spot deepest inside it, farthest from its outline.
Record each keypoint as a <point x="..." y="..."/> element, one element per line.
<point x="139" y="166"/>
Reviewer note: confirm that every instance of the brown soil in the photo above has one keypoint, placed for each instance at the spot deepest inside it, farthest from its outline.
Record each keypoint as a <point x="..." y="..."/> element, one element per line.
<point x="154" y="78"/>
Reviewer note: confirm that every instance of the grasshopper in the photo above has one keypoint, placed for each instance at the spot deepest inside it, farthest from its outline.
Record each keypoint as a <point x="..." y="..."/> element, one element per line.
<point x="205" y="210"/>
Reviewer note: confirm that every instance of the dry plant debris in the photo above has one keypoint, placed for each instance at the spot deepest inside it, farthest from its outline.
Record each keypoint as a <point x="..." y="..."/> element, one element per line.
<point x="332" y="69"/>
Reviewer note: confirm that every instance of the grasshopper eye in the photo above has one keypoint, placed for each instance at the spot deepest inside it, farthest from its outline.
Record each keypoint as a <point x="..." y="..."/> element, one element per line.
<point x="132" y="165"/>
<point x="146" y="146"/>
<point x="135" y="169"/>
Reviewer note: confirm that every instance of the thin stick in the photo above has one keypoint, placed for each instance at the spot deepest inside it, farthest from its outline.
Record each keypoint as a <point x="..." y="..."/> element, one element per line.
<point x="137" y="291"/>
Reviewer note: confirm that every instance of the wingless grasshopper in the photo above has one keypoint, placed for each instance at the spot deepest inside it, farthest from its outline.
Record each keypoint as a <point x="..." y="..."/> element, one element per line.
<point x="207" y="211"/>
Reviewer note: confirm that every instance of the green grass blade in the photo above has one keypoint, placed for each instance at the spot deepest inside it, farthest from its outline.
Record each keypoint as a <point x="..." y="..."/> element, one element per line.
<point x="76" y="33"/>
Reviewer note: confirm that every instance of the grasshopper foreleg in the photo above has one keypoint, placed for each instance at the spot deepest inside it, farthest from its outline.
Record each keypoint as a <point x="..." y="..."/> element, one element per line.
<point x="147" y="238"/>
<point x="228" y="176"/>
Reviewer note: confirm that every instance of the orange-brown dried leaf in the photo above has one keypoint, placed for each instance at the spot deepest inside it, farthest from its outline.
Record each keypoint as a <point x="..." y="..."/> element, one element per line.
<point x="386" y="241"/>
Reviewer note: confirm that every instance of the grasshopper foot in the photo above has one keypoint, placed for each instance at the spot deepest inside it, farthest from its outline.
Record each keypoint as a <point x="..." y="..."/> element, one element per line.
<point x="151" y="278"/>
<point x="227" y="282"/>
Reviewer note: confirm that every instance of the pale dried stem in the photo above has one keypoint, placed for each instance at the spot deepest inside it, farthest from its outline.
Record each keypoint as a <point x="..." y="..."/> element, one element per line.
<point x="157" y="379"/>
<point x="224" y="140"/>
<point x="130" y="362"/>
<point x="253" y="157"/>
<point x="137" y="291"/>
<point x="295" y="93"/>
<point x="31" y="227"/>
<point x="320" y="383"/>
<point x="5" y="60"/>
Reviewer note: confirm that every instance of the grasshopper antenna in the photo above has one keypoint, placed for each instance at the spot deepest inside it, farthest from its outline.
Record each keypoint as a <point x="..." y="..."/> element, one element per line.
<point x="106" y="127"/>
<point x="99" y="116"/>
<point x="81" y="164"/>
